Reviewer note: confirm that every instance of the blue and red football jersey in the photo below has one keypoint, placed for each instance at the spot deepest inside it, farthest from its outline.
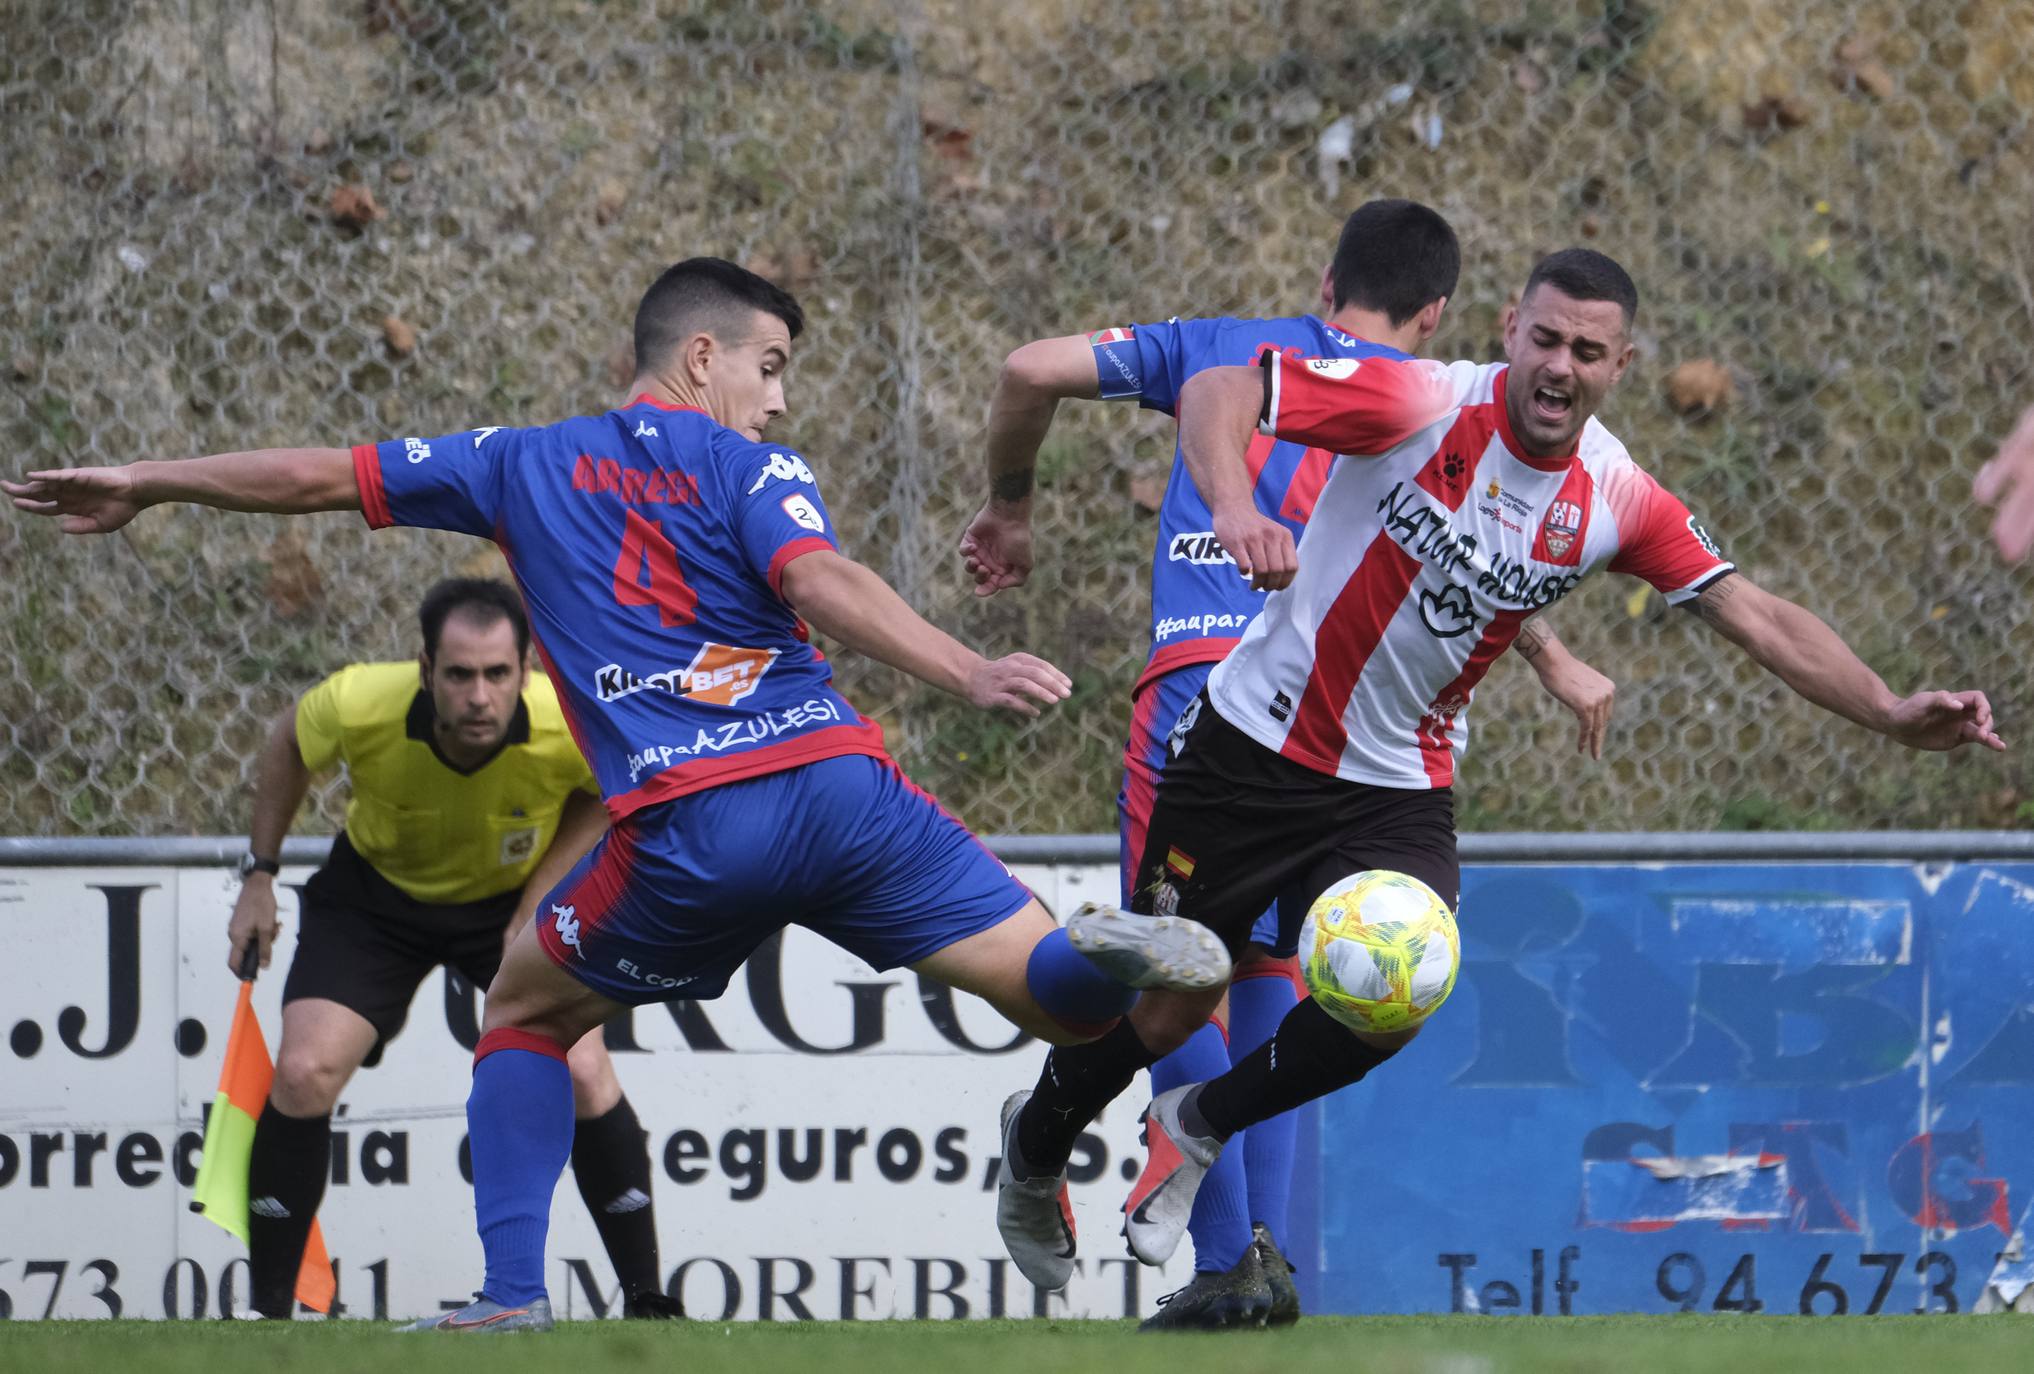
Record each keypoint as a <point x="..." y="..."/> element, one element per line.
<point x="648" y="543"/>
<point x="1199" y="604"/>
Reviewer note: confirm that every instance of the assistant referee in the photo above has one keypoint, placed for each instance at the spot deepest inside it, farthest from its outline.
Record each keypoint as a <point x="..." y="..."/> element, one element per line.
<point x="469" y="801"/>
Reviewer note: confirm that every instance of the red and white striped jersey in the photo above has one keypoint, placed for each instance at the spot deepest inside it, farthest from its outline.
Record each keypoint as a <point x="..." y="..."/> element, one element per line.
<point x="1432" y="542"/>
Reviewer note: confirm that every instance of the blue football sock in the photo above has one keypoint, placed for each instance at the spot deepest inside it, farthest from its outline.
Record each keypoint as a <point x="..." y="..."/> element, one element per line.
<point x="519" y="1120"/>
<point x="1220" y="1224"/>
<point x="1071" y="989"/>
<point x="1256" y="1006"/>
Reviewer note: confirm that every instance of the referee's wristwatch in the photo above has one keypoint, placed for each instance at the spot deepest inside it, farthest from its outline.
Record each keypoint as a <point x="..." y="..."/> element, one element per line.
<point x="252" y="863"/>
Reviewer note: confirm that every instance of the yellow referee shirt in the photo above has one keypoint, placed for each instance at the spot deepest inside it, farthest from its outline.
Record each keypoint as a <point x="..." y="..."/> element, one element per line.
<point x="441" y="835"/>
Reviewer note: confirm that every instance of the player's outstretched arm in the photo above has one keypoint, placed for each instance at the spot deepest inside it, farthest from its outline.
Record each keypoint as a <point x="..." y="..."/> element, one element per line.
<point x="280" y="782"/>
<point x="2008" y="483"/>
<point x="580" y="826"/>
<point x="996" y="547"/>
<point x="1798" y="648"/>
<point x="1570" y="681"/>
<point x="285" y="481"/>
<point x="847" y="601"/>
<point x="1218" y="410"/>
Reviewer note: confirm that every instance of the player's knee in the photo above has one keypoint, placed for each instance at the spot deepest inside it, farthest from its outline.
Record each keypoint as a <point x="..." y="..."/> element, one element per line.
<point x="595" y="1089"/>
<point x="1164" y="1024"/>
<point x="308" y="1080"/>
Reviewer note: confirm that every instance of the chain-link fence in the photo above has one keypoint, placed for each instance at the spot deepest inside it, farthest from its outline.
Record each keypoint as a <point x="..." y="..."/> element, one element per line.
<point x="238" y="223"/>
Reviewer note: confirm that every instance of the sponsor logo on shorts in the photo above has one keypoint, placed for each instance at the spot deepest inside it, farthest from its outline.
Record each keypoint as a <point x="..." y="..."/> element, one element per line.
<point x="416" y="450"/>
<point x="804" y="513"/>
<point x="719" y="673"/>
<point x="565" y="920"/>
<point x="652" y="978"/>
<point x="1198" y="547"/>
<point x="1164" y="898"/>
<point x="783" y="467"/>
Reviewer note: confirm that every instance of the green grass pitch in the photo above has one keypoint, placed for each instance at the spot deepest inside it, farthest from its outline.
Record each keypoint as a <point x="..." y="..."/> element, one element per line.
<point x="1343" y="1345"/>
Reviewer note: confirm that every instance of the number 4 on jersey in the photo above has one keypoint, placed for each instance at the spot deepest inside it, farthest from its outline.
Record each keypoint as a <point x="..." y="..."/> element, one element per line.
<point x="646" y="573"/>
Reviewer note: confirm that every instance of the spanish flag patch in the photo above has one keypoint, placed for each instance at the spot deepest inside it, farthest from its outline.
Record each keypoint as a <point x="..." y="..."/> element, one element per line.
<point x="1179" y="861"/>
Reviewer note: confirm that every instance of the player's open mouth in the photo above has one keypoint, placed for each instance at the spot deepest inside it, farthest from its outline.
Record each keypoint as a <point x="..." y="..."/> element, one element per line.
<point x="1551" y="405"/>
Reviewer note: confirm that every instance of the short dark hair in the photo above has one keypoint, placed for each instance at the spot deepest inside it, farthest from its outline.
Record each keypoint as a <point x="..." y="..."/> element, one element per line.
<point x="1587" y="275"/>
<point x="482" y="599"/>
<point x="702" y="293"/>
<point x="1397" y="256"/>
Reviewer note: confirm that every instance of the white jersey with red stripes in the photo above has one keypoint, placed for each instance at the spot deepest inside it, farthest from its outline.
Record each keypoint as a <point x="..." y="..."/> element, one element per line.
<point x="1434" y="539"/>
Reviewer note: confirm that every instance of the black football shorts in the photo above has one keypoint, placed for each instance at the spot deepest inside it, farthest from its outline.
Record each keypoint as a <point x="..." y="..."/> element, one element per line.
<point x="367" y="945"/>
<point x="1236" y="827"/>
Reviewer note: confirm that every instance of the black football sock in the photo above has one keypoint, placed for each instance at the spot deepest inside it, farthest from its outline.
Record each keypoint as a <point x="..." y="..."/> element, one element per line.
<point x="286" y="1173"/>
<point x="1077" y="1082"/>
<point x="1310" y="1055"/>
<point x="611" y="1163"/>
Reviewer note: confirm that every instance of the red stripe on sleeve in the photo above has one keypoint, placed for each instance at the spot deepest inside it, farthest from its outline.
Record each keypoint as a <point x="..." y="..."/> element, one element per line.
<point x="792" y="551"/>
<point x="367" y="476"/>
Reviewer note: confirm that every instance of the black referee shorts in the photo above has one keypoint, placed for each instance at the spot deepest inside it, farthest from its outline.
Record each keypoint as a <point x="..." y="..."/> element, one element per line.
<point x="1236" y="827"/>
<point x="367" y="944"/>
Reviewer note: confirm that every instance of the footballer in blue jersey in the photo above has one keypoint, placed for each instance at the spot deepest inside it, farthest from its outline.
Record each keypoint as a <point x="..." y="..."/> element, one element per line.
<point x="671" y="561"/>
<point x="1381" y="296"/>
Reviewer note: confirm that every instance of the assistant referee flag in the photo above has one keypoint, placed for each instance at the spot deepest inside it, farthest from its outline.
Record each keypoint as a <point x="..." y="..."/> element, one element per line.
<point x="221" y="1188"/>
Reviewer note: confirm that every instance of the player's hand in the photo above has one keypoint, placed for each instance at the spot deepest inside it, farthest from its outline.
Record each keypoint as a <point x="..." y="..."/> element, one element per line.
<point x="996" y="550"/>
<point x="82" y="500"/>
<point x="2008" y="483"/>
<point x="1263" y="548"/>
<point x="1586" y="692"/>
<point x="253" y="919"/>
<point x="1019" y="683"/>
<point x="1944" y="720"/>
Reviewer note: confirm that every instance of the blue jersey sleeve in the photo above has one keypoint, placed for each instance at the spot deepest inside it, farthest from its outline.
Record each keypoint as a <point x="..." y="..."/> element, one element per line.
<point x="778" y="514"/>
<point x="1149" y="363"/>
<point x="453" y="482"/>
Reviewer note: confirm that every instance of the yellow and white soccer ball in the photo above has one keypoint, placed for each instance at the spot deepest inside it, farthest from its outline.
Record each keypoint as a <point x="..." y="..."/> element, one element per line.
<point x="1379" y="951"/>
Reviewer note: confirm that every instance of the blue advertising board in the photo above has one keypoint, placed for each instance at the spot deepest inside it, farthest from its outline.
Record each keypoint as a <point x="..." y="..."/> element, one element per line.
<point x="1782" y="1087"/>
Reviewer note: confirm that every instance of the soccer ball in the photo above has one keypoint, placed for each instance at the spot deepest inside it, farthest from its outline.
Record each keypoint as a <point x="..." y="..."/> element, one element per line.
<point x="1379" y="951"/>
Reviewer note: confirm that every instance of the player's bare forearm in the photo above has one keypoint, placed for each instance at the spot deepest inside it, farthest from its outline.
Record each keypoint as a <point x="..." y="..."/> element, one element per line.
<point x="1798" y="647"/>
<point x="280" y="782"/>
<point x="580" y="826"/>
<point x="280" y="481"/>
<point x="1033" y="381"/>
<point x="1218" y="409"/>
<point x="1570" y="681"/>
<point x="848" y="602"/>
<point x="843" y="599"/>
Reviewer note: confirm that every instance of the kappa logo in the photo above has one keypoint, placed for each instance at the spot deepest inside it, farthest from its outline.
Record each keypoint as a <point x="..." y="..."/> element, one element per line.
<point x="1448" y="612"/>
<point x="565" y="920"/>
<point x="783" y="467"/>
<point x="1564" y="522"/>
<point x="1702" y="537"/>
<point x="1176" y="741"/>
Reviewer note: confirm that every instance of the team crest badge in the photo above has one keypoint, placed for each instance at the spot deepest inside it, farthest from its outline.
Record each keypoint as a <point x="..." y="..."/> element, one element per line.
<point x="1564" y="522"/>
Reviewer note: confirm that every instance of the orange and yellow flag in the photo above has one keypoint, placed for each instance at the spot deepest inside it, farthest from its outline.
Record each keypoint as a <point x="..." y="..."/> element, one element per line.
<point x="221" y="1188"/>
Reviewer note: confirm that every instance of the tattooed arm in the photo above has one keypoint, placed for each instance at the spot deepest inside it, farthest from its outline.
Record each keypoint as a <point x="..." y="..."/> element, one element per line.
<point x="1797" y="647"/>
<point x="1570" y="681"/>
<point x="996" y="548"/>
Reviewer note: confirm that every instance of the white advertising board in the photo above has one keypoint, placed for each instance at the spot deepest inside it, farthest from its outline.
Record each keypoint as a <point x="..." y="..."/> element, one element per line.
<point x="822" y="1137"/>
